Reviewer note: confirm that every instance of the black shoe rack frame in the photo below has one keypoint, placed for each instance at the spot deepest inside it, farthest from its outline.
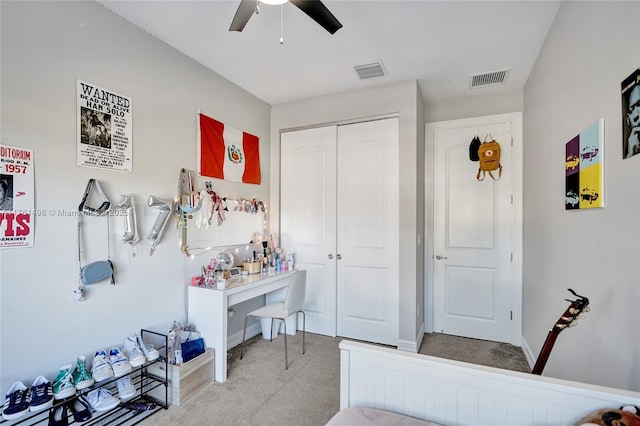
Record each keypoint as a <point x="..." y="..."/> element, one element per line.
<point x="120" y="415"/>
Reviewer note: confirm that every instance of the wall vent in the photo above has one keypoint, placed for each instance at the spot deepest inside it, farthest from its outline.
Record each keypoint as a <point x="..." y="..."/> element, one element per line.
<point x="492" y="78"/>
<point x="375" y="69"/>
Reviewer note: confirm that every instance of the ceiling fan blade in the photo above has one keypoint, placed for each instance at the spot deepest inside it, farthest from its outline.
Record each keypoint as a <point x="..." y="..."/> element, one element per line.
<point x="243" y="14"/>
<point x="317" y="11"/>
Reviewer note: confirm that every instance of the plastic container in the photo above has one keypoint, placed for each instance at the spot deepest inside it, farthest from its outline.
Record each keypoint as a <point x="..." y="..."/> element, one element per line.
<point x="265" y="323"/>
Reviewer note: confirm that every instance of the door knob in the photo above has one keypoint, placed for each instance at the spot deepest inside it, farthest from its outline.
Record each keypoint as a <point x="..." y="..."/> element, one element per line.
<point x="440" y="257"/>
<point x="339" y="256"/>
<point x="330" y="256"/>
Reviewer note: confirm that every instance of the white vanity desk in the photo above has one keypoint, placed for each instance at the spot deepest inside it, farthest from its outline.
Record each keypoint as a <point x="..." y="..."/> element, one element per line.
<point x="208" y="310"/>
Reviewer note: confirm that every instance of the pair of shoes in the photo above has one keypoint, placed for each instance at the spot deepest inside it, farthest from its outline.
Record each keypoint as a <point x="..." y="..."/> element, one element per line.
<point x="41" y="394"/>
<point x="63" y="384"/>
<point x="101" y="400"/>
<point x="59" y="416"/>
<point x="140" y="405"/>
<point x="126" y="389"/>
<point x="81" y="377"/>
<point x="115" y="365"/>
<point x="16" y="403"/>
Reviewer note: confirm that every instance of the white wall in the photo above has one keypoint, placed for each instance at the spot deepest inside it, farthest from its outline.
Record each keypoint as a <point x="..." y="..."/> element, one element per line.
<point x="590" y="49"/>
<point x="45" y="47"/>
<point x="406" y="100"/>
<point x="477" y="105"/>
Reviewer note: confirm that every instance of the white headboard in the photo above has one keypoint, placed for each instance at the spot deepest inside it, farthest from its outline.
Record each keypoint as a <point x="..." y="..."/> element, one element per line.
<point x="459" y="393"/>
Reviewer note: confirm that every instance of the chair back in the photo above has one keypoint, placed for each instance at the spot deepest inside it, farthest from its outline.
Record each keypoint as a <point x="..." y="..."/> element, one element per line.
<point x="295" y="293"/>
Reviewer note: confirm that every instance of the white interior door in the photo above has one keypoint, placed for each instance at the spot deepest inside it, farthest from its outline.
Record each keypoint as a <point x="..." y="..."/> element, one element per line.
<point x="308" y="218"/>
<point x="475" y="287"/>
<point x="368" y="231"/>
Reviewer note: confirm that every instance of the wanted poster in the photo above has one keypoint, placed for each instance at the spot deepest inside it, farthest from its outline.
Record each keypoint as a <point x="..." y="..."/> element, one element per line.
<point x="16" y="197"/>
<point x="104" y="128"/>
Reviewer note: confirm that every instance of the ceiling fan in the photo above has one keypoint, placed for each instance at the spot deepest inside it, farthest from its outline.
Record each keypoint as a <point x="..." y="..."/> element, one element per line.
<point x="315" y="9"/>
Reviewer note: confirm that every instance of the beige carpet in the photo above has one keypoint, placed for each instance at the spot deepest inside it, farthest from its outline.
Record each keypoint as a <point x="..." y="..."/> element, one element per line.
<point x="483" y="352"/>
<point x="259" y="391"/>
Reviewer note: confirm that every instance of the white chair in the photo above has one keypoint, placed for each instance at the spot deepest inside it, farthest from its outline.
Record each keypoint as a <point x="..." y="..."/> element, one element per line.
<point x="292" y="305"/>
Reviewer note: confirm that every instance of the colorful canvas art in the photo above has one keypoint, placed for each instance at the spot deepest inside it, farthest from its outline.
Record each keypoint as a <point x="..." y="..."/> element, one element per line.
<point x="584" y="166"/>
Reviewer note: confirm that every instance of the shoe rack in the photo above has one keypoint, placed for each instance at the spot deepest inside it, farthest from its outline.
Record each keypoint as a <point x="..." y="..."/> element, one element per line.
<point x="126" y="413"/>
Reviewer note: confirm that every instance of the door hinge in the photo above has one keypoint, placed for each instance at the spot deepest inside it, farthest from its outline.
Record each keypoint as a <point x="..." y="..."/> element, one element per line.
<point x="511" y="140"/>
<point x="512" y="200"/>
<point x="512" y="257"/>
<point x="511" y="315"/>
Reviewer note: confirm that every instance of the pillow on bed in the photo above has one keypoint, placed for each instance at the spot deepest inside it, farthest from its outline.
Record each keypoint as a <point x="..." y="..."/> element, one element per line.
<point x="356" y="416"/>
<point x="627" y="415"/>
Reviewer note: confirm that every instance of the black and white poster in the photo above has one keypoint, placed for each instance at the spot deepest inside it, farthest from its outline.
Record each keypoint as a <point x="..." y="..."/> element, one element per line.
<point x="104" y="128"/>
<point x="16" y="197"/>
<point x="631" y="115"/>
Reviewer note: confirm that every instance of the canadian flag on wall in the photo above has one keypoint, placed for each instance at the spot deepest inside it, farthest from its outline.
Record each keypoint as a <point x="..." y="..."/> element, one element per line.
<point x="227" y="153"/>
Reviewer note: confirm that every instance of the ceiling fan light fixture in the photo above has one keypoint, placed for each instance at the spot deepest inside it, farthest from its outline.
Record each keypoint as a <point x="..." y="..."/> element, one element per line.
<point x="274" y="2"/>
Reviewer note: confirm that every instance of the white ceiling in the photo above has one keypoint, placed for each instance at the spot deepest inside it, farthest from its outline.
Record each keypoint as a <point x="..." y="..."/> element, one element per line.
<point x="438" y="43"/>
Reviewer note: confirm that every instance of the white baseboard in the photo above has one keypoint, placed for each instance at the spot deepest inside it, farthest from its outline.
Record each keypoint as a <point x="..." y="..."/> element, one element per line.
<point x="528" y="354"/>
<point x="236" y="338"/>
<point x="412" y="346"/>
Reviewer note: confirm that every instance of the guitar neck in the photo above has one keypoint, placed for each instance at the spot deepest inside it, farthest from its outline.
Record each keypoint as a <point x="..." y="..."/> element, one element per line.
<point x="545" y="352"/>
<point x="567" y="319"/>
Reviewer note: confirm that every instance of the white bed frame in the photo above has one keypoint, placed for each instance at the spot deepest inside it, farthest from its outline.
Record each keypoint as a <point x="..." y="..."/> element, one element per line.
<point x="459" y="393"/>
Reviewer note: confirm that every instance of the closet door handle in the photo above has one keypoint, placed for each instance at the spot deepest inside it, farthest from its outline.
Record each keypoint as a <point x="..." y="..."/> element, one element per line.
<point x="339" y="256"/>
<point x="440" y="257"/>
<point x="330" y="256"/>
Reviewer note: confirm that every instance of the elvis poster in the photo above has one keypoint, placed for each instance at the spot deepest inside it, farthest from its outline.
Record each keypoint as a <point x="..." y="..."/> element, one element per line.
<point x="16" y="197"/>
<point x="104" y="135"/>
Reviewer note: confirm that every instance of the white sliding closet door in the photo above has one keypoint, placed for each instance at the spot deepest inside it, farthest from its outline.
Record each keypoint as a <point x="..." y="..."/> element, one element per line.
<point x="368" y="231"/>
<point x="308" y="218"/>
<point x="339" y="214"/>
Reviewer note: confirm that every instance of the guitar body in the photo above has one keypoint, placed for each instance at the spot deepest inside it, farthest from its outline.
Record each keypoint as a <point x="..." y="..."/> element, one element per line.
<point x="568" y="319"/>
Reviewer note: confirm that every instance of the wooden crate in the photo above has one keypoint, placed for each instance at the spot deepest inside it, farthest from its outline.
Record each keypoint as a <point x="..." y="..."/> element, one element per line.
<point x="187" y="379"/>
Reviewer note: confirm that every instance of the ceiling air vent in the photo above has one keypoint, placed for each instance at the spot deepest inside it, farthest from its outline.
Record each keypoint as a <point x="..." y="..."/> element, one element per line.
<point x="375" y="69"/>
<point x="491" y="78"/>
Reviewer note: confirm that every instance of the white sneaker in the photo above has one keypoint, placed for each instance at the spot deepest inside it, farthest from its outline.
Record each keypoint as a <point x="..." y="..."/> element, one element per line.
<point x="133" y="352"/>
<point x="101" y="369"/>
<point x="119" y="362"/>
<point x="101" y="400"/>
<point x="126" y="389"/>
<point x="148" y="350"/>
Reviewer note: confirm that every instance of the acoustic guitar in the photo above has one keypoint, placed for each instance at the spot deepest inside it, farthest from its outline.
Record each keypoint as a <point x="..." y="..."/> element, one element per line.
<point x="569" y="318"/>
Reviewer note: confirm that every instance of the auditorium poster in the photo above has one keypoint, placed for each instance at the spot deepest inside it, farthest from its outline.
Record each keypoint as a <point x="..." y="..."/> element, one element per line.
<point x="16" y="197"/>
<point x="104" y="138"/>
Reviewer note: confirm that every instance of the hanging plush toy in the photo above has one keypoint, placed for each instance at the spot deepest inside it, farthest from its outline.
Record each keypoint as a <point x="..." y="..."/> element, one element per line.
<point x="204" y="213"/>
